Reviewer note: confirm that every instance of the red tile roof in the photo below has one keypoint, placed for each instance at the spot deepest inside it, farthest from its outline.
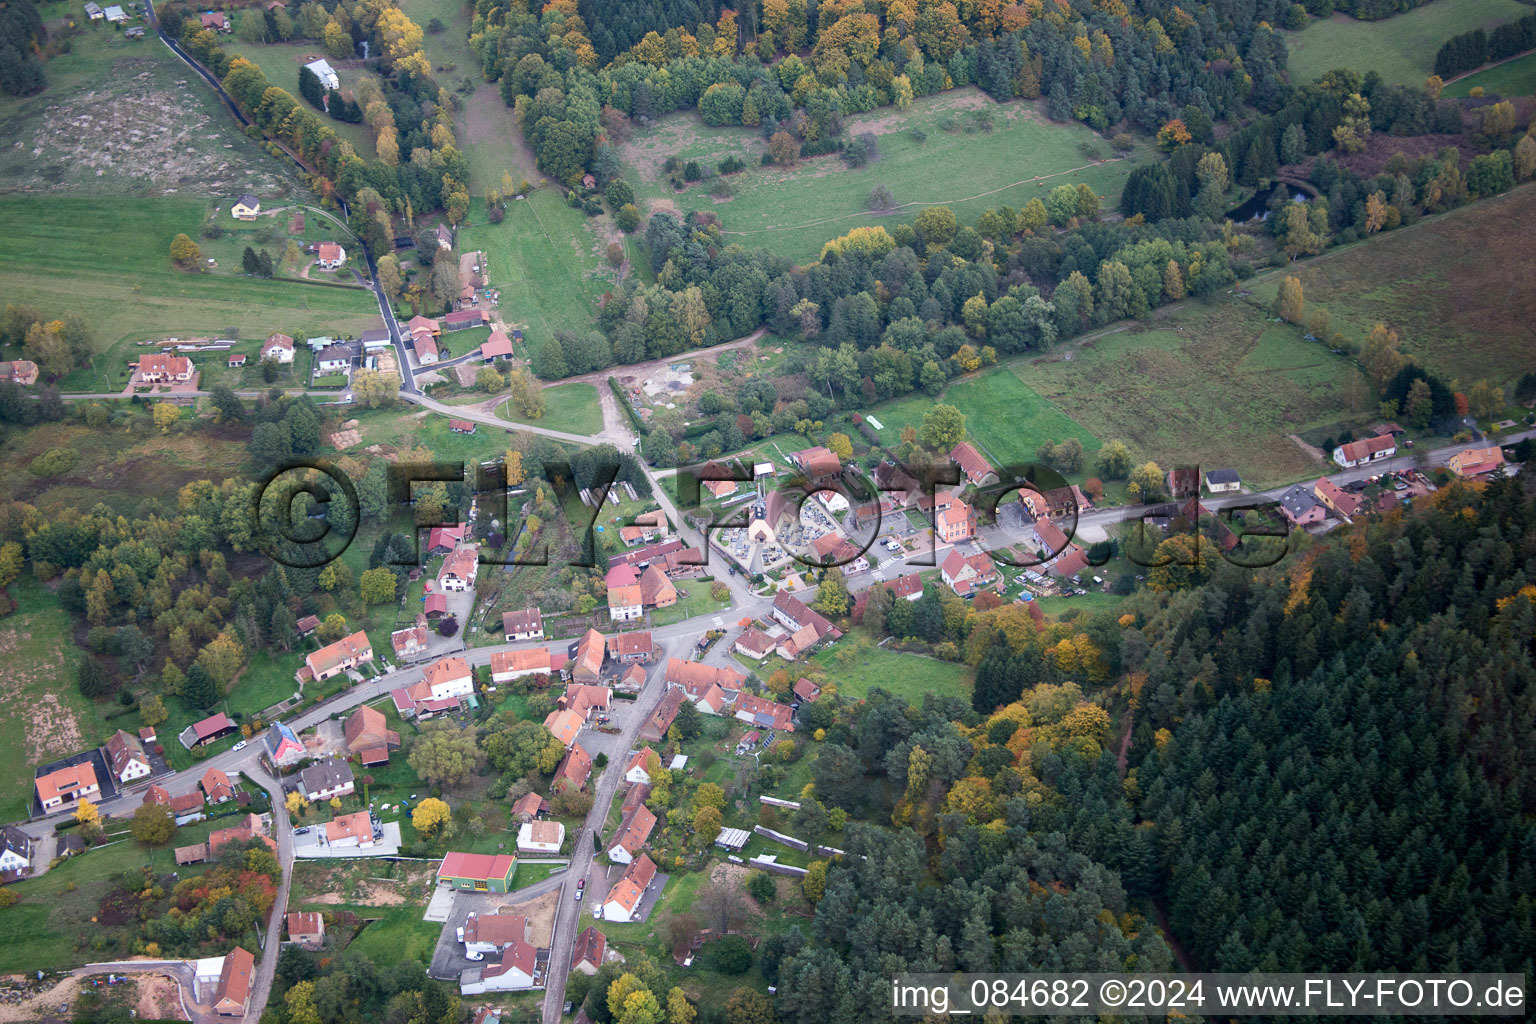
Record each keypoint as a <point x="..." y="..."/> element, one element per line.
<point x="971" y="463"/>
<point x="476" y="866"/>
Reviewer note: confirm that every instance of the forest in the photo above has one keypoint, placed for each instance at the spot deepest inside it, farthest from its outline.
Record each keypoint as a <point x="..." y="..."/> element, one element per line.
<point x="1330" y="768"/>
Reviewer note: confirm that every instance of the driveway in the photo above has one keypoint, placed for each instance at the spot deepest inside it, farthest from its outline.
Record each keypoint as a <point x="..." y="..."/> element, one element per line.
<point x="312" y="844"/>
<point x="448" y="958"/>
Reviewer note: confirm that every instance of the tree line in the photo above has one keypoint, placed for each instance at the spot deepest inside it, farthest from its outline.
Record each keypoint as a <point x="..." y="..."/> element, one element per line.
<point x="1475" y="48"/>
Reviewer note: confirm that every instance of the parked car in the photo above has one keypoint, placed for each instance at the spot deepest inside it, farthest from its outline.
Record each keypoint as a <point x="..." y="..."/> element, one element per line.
<point x="240" y="745"/>
<point x="474" y="956"/>
<point x="460" y="933"/>
<point x="578" y="895"/>
<point x="597" y="910"/>
<point x="581" y="883"/>
<point x="304" y="831"/>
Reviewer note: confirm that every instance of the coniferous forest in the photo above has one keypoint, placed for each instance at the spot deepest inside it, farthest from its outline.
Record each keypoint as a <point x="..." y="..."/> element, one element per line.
<point x="1330" y="769"/>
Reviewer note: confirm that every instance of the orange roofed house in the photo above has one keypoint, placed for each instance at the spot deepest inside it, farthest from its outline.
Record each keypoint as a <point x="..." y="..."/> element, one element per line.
<point x="158" y="368"/>
<point x="623" y="902"/>
<point x="234" y="991"/>
<point x="509" y="665"/>
<point x="367" y="728"/>
<point x="460" y="568"/>
<point x="334" y="659"/>
<point x="1475" y="462"/>
<point x="67" y="785"/>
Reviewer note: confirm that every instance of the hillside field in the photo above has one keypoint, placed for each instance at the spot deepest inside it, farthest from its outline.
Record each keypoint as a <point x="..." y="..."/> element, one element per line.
<point x="1400" y="48"/>
<point x="1515" y="77"/>
<point x="961" y="164"/>
<point x="572" y="407"/>
<point x="1447" y="285"/>
<point x="109" y="260"/>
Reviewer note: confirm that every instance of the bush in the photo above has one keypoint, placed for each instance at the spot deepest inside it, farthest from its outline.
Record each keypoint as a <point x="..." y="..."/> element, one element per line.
<point x="447" y="626"/>
<point x="760" y="884"/>
<point x="730" y="955"/>
<point x="53" y="462"/>
<point x="732" y="164"/>
<point x="692" y="171"/>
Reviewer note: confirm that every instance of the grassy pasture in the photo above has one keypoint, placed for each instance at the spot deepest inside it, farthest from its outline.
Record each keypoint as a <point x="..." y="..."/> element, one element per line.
<point x="1446" y="284"/>
<point x="856" y="665"/>
<point x="125" y="116"/>
<point x="544" y="260"/>
<point x="281" y="62"/>
<point x="1401" y="48"/>
<point x="793" y="211"/>
<point x="1515" y="77"/>
<point x="571" y="407"/>
<point x="109" y="260"/>
<point x="1220" y="384"/>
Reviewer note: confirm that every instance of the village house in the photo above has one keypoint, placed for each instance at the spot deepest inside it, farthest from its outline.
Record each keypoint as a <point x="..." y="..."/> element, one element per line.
<point x="953" y="520"/>
<point x="308" y="624"/>
<point x="330" y="256"/>
<point x="15" y="852"/>
<point x="591" y="651"/>
<point x="660" y="720"/>
<point x="409" y="642"/>
<point x="530" y="806"/>
<point x="333" y="359"/>
<point x="126" y="756"/>
<point x="630" y="839"/>
<point x="966" y="574"/>
<point x="1183" y="481"/>
<point x="656" y="591"/>
<point x="19" y="371"/>
<point x="631" y="648"/>
<point x="754" y="644"/>
<point x="540" y="837"/>
<point x="497" y="346"/>
<point x="461" y="426"/>
<point x="236" y="360"/>
<point x="211" y="728"/>
<point x="216" y="786"/>
<point x="635" y="772"/>
<point x="765" y="714"/>
<point x="247" y="207"/>
<point x="322" y="70"/>
<point x="307" y="928"/>
<point x="159" y="368"/>
<point x="460" y="568"/>
<point x="424" y="333"/>
<point x="233" y="993"/>
<point x="434" y="606"/>
<point x="443" y="539"/>
<point x="376" y="339"/>
<point x="564" y="724"/>
<point x="448" y="678"/>
<point x="695" y="678"/>
<point x="587" y="956"/>
<point x="527" y="624"/>
<point x="333" y="659"/>
<point x="492" y="933"/>
<point x="805" y="690"/>
<point x="477" y="872"/>
<point x="573" y="771"/>
<point x="509" y="665"/>
<point x="584" y="699"/>
<point x="626" y="601"/>
<point x="278" y="348"/>
<point x="283" y="745"/>
<point x="1223" y="481"/>
<point x="1300" y="506"/>
<point x="623" y="901"/>
<point x="1370" y="449"/>
<point x="1336" y="498"/>
<point x="976" y="469"/>
<point x="67" y="785"/>
<point x="1475" y="462"/>
<point x="835" y="549"/>
<point x="818" y="464"/>
<point x="367" y="729"/>
<point x="353" y="830"/>
<point x="326" y="780"/>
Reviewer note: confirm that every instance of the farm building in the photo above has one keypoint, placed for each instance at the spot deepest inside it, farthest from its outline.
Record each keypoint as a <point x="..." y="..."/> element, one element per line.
<point x="481" y="872"/>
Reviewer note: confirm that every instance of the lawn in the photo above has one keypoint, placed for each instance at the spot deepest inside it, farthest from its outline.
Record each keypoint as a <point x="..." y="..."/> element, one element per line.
<point x="794" y="211"/>
<point x="281" y="62"/>
<point x="692" y="599"/>
<point x="393" y="934"/>
<point x="54" y="926"/>
<point x="1401" y="48"/>
<point x="856" y="665"/>
<point x="572" y="408"/>
<point x="1445" y="284"/>
<point x="1515" y="77"/>
<point x="108" y="260"/>
<point x="1215" y="385"/>
<point x="1004" y="416"/>
<point x="543" y="258"/>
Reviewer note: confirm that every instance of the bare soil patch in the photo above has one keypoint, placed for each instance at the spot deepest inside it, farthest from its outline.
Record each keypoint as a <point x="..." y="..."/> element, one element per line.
<point x="42" y="1006"/>
<point x="158" y="998"/>
<point x="541" y="916"/>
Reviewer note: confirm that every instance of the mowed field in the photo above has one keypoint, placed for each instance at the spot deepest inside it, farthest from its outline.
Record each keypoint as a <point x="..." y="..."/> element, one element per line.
<point x="1400" y="48"/>
<point x="1218" y="385"/>
<point x="1448" y="285"/>
<point x="856" y="665"/>
<point x="109" y="260"/>
<point x="544" y="260"/>
<point x="1003" y="415"/>
<point x="571" y="407"/>
<point x="793" y="211"/>
<point x="1516" y="77"/>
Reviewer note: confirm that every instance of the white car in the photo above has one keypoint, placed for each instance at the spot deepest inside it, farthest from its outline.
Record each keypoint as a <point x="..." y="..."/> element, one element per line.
<point x="474" y="956"/>
<point x="461" y="933"/>
<point x="597" y="910"/>
<point x="239" y="746"/>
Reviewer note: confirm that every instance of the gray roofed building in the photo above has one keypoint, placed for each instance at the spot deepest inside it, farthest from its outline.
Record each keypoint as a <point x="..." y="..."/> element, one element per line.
<point x="1300" y="502"/>
<point x="325" y="780"/>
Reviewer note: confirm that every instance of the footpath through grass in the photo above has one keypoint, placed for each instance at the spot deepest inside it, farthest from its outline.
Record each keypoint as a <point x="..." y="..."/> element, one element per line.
<point x="1401" y="48"/>
<point x="1512" y="78"/>
<point x="938" y="151"/>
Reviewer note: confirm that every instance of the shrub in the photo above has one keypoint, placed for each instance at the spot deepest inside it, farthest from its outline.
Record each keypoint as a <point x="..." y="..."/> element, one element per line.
<point x="53" y="462"/>
<point x="732" y="164"/>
